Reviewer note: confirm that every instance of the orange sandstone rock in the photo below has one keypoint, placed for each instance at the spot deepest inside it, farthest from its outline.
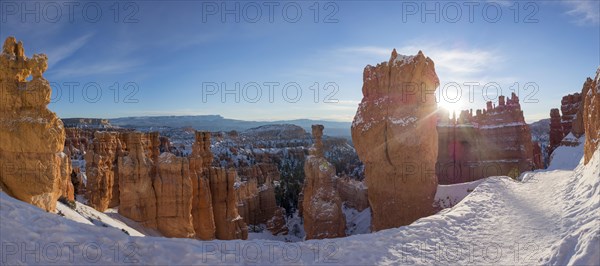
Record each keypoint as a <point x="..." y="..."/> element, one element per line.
<point x="173" y="188"/>
<point x="136" y="194"/>
<point x="321" y="204"/>
<point x="591" y="116"/>
<point x="31" y="136"/>
<point x="394" y="132"/>
<point x="101" y="170"/>
<point x="202" y="208"/>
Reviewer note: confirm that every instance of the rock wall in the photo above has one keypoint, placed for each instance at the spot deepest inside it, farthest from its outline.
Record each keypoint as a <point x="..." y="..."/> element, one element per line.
<point x="31" y="136"/>
<point x="591" y="115"/>
<point x="394" y="133"/>
<point x="556" y="132"/>
<point x="573" y="120"/>
<point x="67" y="190"/>
<point x="570" y="105"/>
<point x="494" y="141"/>
<point x="256" y="193"/>
<point x="353" y="192"/>
<point x="229" y="224"/>
<point x="136" y="171"/>
<point x="101" y="171"/>
<point x="321" y="206"/>
<point x="202" y="207"/>
<point x="173" y="188"/>
<point x="76" y="141"/>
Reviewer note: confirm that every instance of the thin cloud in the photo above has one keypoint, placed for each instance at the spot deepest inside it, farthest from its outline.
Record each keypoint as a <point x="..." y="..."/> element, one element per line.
<point x="65" y="51"/>
<point x="456" y="61"/>
<point x="106" y="67"/>
<point x="584" y="12"/>
<point x="368" y="50"/>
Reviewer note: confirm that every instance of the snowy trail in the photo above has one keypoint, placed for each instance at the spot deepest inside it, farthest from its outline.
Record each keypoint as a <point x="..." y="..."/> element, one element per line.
<point x="550" y="218"/>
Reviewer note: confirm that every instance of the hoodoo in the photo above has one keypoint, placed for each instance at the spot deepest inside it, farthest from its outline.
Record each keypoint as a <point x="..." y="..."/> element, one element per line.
<point x="394" y="132"/>
<point x="31" y="136"/>
<point x="321" y="206"/>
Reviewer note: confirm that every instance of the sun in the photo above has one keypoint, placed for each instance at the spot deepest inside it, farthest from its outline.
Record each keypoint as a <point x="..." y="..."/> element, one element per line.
<point x="451" y="107"/>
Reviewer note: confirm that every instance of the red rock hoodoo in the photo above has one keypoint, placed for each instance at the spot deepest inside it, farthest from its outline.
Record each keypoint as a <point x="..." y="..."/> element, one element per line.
<point x="321" y="204"/>
<point x="394" y="132"/>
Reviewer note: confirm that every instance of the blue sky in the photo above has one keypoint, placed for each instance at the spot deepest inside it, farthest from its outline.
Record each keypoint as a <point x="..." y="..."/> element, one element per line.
<point x="162" y="57"/>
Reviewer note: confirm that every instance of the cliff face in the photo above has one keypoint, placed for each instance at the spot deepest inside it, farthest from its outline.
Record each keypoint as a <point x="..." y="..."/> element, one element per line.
<point x="494" y="141"/>
<point x="354" y="193"/>
<point x="229" y="224"/>
<point x="570" y="106"/>
<point x="202" y="208"/>
<point x="136" y="171"/>
<point x="579" y="117"/>
<point x="394" y="132"/>
<point x="101" y="171"/>
<point x="556" y="132"/>
<point x="591" y="116"/>
<point x="76" y="141"/>
<point x="256" y="194"/>
<point x="67" y="190"/>
<point x="31" y="136"/>
<point x="158" y="189"/>
<point x="321" y="204"/>
<point x="173" y="188"/>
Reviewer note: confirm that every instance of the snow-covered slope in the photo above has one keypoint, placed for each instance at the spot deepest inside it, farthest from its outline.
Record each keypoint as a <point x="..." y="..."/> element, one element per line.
<point x="551" y="218"/>
<point x="88" y="215"/>
<point x="567" y="157"/>
<point x="447" y="196"/>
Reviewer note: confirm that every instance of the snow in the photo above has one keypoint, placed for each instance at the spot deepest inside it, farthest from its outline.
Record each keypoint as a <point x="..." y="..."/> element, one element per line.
<point x="403" y="121"/>
<point x="447" y="196"/>
<point x="567" y="157"/>
<point x="357" y="222"/>
<point x="71" y="214"/>
<point x="550" y="218"/>
<point x="88" y="215"/>
<point x="512" y="124"/>
<point x="296" y="231"/>
<point x="403" y="59"/>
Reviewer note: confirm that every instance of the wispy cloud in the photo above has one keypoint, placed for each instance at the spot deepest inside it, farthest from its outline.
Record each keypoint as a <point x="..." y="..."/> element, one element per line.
<point x="95" y="69"/>
<point x="585" y="12"/>
<point x="65" y="51"/>
<point x="372" y="50"/>
<point x="464" y="62"/>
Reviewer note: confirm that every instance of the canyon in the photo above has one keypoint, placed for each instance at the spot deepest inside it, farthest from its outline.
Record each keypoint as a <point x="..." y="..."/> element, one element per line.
<point x="187" y="183"/>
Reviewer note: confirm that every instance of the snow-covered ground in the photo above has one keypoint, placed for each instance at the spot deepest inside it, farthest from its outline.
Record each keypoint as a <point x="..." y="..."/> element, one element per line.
<point x="550" y="218"/>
